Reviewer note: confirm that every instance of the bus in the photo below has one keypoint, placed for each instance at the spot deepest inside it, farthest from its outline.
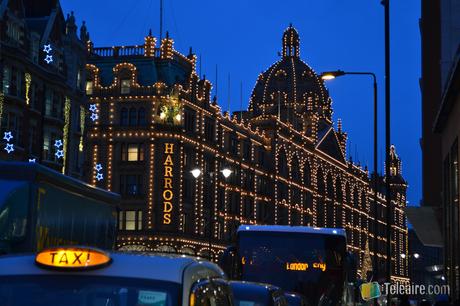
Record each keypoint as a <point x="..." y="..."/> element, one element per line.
<point x="307" y="260"/>
<point x="41" y="208"/>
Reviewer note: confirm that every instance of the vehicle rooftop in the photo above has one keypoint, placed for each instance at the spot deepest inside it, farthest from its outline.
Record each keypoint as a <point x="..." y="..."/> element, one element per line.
<point x="292" y="229"/>
<point x="253" y="285"/>
<point x="155" y="267"/>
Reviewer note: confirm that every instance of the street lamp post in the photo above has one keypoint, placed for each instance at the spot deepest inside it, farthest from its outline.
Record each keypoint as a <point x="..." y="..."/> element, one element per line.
<point x="329" y="75"/>
<point x="196" y="172"/>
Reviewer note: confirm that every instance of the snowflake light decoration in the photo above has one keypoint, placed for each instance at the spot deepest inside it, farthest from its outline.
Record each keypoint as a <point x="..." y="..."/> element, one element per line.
<point x="58" y="143"/>
<point x="92" y="108"/>
<point x="99" y="176"/>
<point x="9" y="148"/>
<point x="49" y="59"/>
<point x="98" y="167"/>
<point x="7" y="136"/>
<point x="47" y="48"/>
<point x="94" y="116"/>
<point x="59" y="153"/>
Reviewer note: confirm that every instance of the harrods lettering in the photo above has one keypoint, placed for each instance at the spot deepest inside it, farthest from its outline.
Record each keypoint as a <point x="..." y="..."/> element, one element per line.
<point x="168" y="194"/>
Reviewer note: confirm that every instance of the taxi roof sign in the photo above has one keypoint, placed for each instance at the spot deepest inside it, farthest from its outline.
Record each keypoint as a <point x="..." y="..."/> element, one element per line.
<point x="72" y="258"/>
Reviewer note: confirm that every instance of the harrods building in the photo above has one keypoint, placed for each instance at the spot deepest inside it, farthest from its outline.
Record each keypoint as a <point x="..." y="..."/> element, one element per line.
<point x="155" y="122"/>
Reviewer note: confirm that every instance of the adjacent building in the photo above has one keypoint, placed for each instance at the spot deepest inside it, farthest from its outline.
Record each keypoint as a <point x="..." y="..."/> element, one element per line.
<point x="440" y="32"/>
<point x="189" y="174"/>
<point x="447" y="125"/>
<point x="42" y="77"/>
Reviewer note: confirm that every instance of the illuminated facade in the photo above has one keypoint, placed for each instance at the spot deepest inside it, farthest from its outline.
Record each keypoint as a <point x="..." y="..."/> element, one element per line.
<point x="42" y="96"/>
<point x="157" y="122"/>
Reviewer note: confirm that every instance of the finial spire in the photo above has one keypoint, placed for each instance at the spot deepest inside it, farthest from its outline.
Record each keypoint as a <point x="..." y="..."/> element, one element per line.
<point x="291" y="42"/>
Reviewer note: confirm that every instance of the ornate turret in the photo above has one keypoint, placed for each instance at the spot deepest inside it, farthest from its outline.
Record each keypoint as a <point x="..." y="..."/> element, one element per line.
<point x="291" y="89"/>
<point x="71" y="27"/>
<point x="395" y="168"/>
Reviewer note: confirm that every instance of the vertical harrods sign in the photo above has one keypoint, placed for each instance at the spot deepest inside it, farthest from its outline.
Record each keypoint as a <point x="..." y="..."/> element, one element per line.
<point x="167" y="186"/>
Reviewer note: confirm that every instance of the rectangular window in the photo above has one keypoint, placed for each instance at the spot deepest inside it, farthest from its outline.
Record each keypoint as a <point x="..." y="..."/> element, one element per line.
<point x="131" y="185"/>
<point x="209" y="129"/>
<point x="125" y="86"/>
<point x="130" y="220"/>
<point x="89" y="87"/>
<point x="120" y="220"/>
<point x="189" y="121"/>
<point x="233" y="145"/>
<point x="133" y="152"/>
<point x="48" y="101"/>
<point x="6" y="79"/>
<point x="247" y="150"/>
<point x="34" y="48"/>
<point x="46" y="145"/>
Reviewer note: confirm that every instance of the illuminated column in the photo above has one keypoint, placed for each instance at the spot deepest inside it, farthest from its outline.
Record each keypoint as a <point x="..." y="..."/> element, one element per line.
<point x="109" y="164"/>
<point x="181" y="186"/>
<point x="2" y="100"/>
<point x="28" y="79"/>
<point x="151" y="184"/>
<point x="65" y="132"/>
<point x="93" y="166"/>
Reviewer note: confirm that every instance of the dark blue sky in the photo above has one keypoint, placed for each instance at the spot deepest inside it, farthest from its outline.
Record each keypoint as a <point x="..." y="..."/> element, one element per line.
<point x="243" y="37"/>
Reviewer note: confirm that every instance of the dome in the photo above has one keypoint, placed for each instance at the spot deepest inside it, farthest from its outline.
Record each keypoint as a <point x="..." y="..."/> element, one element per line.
<point x="290" y="87"/>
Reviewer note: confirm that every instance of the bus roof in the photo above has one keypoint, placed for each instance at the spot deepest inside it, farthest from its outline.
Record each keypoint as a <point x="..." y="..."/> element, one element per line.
<point x="35" y="172"/>
<point x="292" y="229"/>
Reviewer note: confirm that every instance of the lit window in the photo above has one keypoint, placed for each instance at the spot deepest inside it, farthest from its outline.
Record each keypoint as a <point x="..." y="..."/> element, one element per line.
<point x="130" y="220"/>
<point x="133" y="152"/>
<point x="139" y="219"/>
<point x="125" y="86"/>
<point x="89" y="87"/>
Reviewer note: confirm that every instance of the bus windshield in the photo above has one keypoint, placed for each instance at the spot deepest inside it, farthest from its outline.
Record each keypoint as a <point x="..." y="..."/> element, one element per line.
<point x="71" y="290"/>
<point x="310" y="264"/>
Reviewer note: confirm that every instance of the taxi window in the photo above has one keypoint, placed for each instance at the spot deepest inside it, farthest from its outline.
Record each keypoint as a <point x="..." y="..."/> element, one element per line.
<point x="77" y="290"/>
<point x="214" y="293"/>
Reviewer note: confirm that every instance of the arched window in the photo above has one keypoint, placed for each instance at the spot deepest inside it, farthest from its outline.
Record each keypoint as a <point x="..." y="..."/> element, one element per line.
<point x="295" y="170"/>
<point x="141" y="117"/>
<point x="330" y="202"/>
<point x="132" y="116"/>
<point x="356" y="199"/>
<point x="330" y="186"/>
<point x="307" y="175"/>
<point x="282" y="164"/>
<point x="320" y="205"/>
<point x="124" y="116"/>
<point x="320" y="181"/>
<point x="339" y="203"/>
<point x="363" y="201"/>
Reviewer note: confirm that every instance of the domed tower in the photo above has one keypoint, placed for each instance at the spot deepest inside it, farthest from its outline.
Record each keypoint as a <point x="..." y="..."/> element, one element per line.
<point x="291" y="89"/>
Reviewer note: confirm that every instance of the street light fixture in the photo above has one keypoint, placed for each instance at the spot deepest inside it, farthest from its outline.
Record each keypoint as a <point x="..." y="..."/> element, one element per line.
<point x="226" y="172"/>
<point x="196" y="172"/>
<point x="329" y="75"/>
